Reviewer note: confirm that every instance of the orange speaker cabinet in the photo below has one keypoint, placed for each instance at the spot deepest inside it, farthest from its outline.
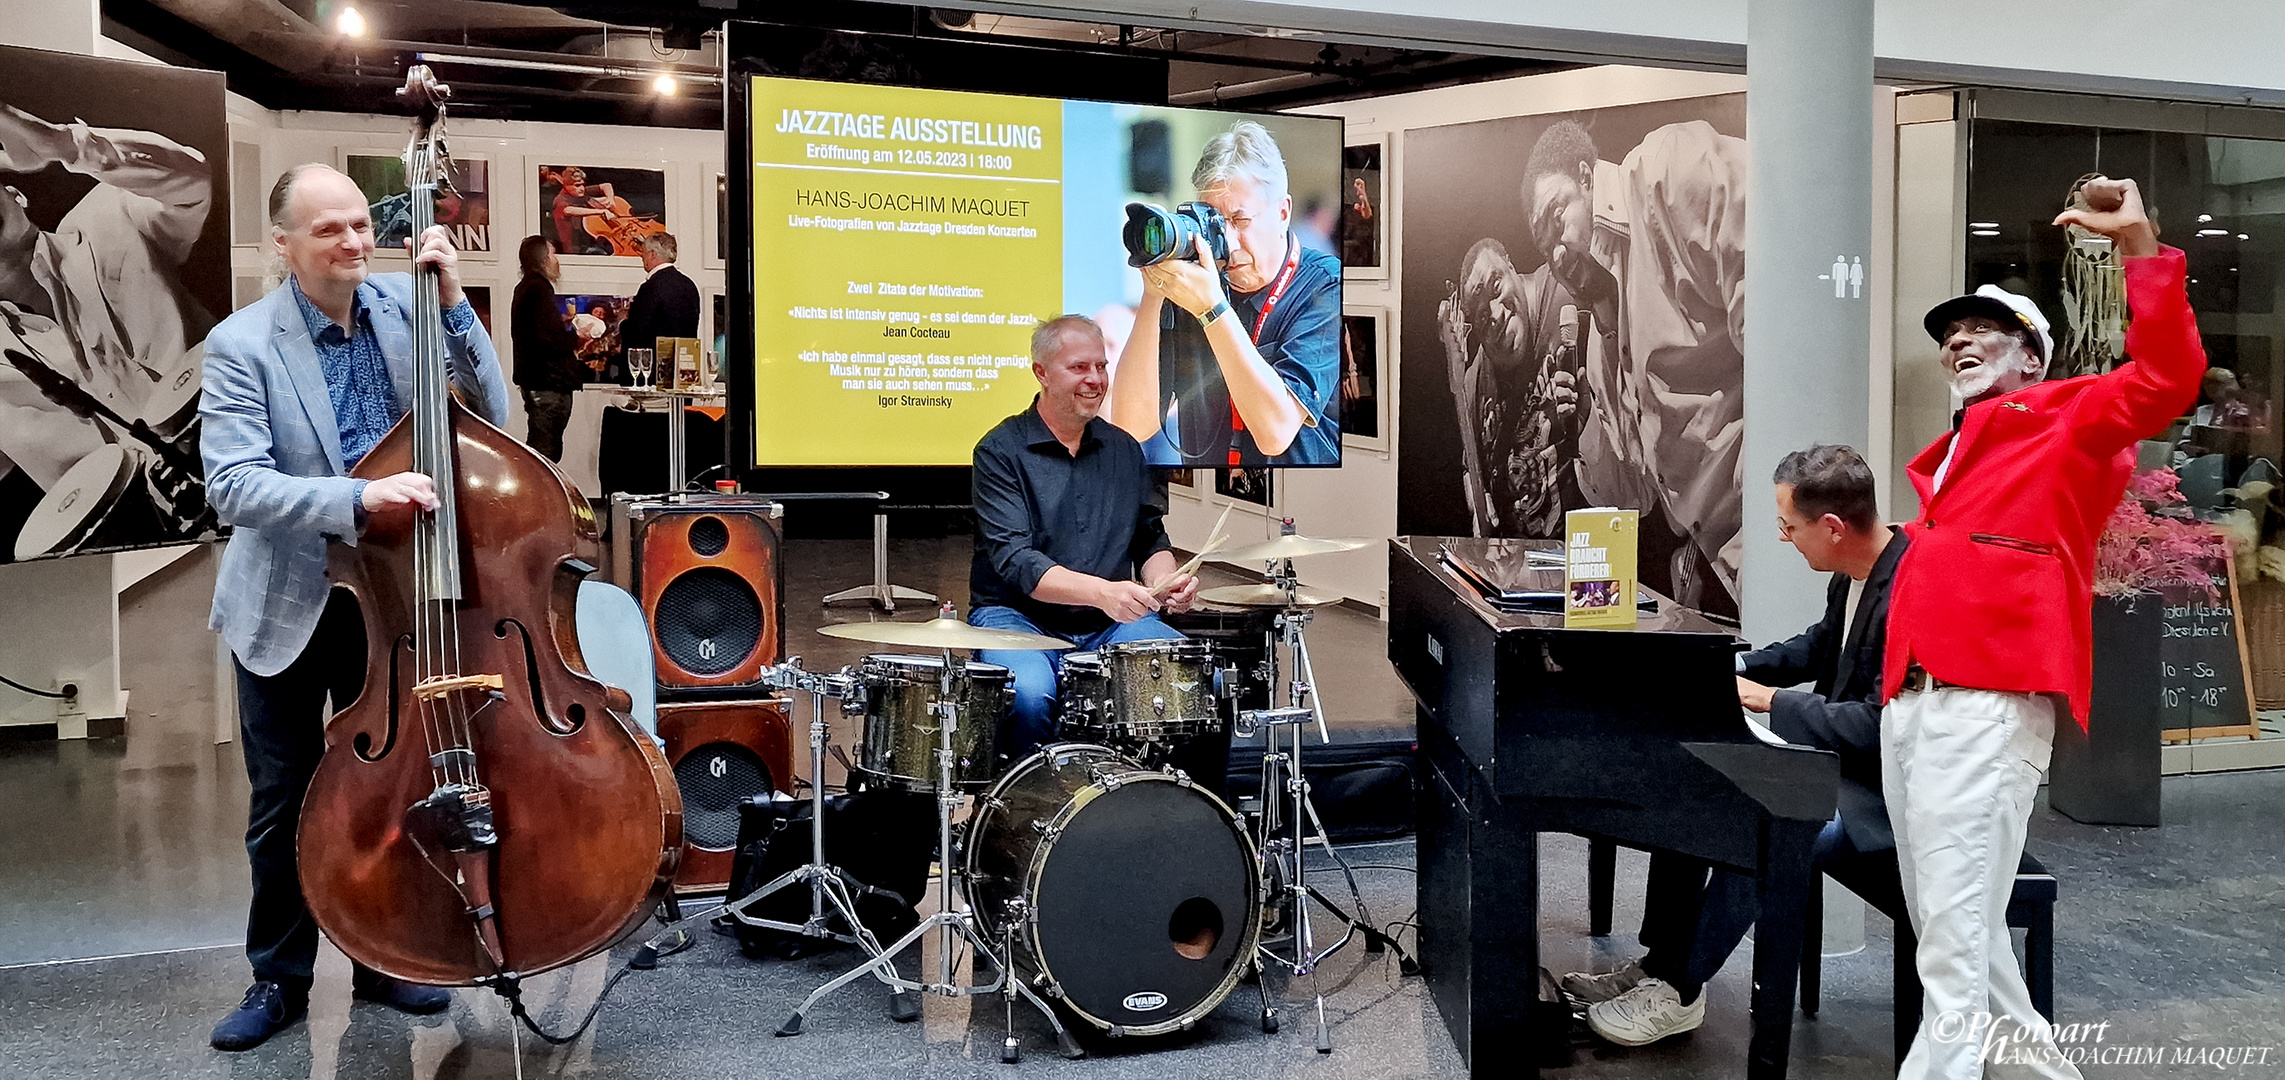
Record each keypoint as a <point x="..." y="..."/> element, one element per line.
<point x="722" y="752"/>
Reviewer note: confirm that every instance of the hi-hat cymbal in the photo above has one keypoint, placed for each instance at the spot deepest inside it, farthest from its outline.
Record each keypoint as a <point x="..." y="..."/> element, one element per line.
<point x="1264" y="595"/>
<point x="1290" y="547"/>
<point x="941" y="634"/>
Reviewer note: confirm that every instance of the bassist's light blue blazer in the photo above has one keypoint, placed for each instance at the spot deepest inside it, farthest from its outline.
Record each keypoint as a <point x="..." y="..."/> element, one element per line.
<point x="272" y="449"/>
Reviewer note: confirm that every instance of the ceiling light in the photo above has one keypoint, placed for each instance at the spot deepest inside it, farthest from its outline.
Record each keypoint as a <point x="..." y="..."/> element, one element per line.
<point x="2203" y="218"/>
<point x="1983" y="224"/>
<point x="2244" y="236"/>
<point x="1983" y="232"/>
<point x="350" y="22"/>
<point x="2213" y="232"/>
<point x="665" y="85"/>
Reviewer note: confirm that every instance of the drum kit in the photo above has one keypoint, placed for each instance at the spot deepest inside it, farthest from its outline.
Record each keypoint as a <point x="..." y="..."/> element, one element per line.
<point x="1090" y="874"/>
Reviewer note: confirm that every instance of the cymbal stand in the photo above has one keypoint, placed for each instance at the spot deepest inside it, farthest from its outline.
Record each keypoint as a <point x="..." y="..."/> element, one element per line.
<point x="952" y="923"/>
<point x="1283" y="780"/>
<point x="828" y="885"/>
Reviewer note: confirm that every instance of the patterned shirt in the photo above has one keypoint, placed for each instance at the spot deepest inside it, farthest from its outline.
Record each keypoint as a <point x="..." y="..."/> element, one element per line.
<point x="356" y="374"/>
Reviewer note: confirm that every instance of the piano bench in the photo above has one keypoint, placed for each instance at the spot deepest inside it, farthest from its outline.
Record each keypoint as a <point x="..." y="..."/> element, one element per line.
<point x="2030" y="908"/>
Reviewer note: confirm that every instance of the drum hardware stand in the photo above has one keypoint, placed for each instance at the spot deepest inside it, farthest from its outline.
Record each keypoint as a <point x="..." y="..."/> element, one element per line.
<point x="1282" y="766"/>
<point x="828" y="884"/>
<point x="950" y="922"/>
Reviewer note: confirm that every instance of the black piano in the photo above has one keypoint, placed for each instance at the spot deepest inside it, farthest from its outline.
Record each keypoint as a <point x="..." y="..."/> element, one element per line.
<point x="1631" y="737"/>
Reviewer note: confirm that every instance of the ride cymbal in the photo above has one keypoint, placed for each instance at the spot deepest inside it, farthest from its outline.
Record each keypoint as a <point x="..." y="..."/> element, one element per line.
<point x="1290" y="547"/>
<point x="941" y="634"/>
<point x="1264" y="595"/>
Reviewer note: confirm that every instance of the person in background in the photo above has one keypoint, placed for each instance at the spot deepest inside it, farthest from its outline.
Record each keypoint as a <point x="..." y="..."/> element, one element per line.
<point x="546" y="352"/>
<point x="667" y="303"/>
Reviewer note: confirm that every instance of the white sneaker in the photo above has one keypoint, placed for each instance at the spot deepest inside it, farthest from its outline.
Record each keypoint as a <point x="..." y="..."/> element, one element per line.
<point x="1651" y="1011"/>
<point x="1588" y="988"/>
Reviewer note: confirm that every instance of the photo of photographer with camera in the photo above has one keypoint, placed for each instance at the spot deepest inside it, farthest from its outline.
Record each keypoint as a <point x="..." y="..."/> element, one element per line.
<point x="1235" y="356"/>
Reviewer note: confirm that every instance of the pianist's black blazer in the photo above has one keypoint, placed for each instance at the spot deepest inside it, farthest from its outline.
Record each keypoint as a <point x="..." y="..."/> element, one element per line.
<point x="1842" y="712"/>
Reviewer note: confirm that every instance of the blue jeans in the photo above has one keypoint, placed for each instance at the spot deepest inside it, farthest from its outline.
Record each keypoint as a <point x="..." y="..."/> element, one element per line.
<point x="1693" y="919"/>
<point x="1035" y="672"/>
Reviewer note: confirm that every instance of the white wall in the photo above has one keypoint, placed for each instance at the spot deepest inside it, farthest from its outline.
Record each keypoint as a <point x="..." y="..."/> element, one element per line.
<point x="2203" y="49"/>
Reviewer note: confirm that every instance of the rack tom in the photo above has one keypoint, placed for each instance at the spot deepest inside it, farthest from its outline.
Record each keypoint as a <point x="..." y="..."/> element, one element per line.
<point x="897" y="696"/>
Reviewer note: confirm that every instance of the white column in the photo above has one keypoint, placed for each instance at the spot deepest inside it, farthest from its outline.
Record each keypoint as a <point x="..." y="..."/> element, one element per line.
<point x="1808" y="322"/>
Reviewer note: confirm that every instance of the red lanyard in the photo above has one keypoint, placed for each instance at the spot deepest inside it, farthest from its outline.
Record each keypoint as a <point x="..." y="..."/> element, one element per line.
<point x="1269" y="303"/>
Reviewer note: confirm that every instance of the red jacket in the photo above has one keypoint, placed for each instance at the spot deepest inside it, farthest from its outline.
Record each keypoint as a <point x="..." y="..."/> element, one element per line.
<point x="1997" y="590"/>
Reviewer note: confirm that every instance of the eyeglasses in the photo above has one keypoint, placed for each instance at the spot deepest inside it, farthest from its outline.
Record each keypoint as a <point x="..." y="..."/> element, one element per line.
<point x="1785" y="529"/>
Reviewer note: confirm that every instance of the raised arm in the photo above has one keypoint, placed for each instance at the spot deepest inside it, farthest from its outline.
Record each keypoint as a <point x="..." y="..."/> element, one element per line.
<point x="2141" y="397"/>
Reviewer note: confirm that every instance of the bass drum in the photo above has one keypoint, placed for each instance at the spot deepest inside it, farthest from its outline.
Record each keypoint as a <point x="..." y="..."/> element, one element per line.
<point x="1134" y="896"/>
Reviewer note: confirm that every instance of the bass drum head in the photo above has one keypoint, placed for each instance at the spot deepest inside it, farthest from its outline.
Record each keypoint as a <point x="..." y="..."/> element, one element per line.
<point x="1145" y="903"/>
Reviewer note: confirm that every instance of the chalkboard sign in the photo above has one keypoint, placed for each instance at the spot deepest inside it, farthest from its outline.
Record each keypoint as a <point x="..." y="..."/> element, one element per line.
<point x="2202" y="670"/>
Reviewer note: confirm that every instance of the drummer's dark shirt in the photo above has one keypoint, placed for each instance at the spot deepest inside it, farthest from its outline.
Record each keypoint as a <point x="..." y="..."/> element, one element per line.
<point x="1038" y="506"/>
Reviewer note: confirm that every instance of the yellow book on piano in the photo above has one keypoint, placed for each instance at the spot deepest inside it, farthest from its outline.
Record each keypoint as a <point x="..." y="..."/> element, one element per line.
<point x="1598" y="568"/>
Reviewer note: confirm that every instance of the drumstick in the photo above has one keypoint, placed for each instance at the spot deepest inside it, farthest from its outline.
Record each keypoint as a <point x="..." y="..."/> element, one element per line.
<point x="1214" y="541"/>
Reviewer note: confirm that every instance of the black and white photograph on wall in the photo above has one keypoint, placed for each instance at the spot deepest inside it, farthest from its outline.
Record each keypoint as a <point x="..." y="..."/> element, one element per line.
<point x="1363" y="226"/>
<point x="594" y="319"/>
<point x="1244" y="485"/>
<point x="1364" y="347"/>
<point x="464" y="206"/>
<point x="599" y="209"/>
<point x="1574" y="299"/>
<point x="114" y="263"/>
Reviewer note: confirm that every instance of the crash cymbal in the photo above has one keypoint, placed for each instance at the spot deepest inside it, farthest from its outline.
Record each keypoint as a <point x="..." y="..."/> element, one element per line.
<point x="941" y="634"/>
<point x="1290" y="547"/>
<point x="1264" y="595"/>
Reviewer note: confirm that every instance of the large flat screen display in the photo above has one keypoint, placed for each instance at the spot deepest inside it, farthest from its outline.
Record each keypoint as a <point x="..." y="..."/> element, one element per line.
<point x="907" y="243"/>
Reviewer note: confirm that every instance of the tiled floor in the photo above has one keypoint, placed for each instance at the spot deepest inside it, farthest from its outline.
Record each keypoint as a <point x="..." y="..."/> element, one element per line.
<point x="123" y="885"/>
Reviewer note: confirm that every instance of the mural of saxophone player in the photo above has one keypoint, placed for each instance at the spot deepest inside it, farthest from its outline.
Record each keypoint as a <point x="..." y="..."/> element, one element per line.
<point x="1510" y="347"/>
<point x="1654" y="248"/>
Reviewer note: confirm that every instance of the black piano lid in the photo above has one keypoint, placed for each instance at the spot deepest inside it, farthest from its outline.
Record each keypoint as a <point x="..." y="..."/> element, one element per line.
<point x="1477" y="564"/>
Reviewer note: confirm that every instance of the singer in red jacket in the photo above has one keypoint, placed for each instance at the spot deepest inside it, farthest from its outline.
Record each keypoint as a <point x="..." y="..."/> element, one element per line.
<point x="1988" y="625"/>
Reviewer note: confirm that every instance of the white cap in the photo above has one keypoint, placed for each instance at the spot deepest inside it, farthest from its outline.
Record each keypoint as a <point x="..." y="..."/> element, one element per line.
<point x="1997" y="303"/>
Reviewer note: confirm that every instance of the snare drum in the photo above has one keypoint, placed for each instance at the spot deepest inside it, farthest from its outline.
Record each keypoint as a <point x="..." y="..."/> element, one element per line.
<point x="1140" y="692"/>
<point x="898" y="694"/>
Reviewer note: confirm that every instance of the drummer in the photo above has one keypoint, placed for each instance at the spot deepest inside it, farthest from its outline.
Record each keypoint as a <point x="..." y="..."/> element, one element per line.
<point x="1070" y="539"/>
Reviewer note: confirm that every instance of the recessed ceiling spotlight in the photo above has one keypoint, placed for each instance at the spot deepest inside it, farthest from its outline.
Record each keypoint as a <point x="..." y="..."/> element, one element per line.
<point x="2213" y="232"/>
<point x="350" y="22"/>
<point x="1983" y="232"/>
<point x="1983" y="224"/>
<point x="2203" y="218"/>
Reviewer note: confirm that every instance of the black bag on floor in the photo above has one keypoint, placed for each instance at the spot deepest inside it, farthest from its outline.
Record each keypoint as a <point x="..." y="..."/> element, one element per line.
<point x="1362" y="790"/>
<point x="884" y="838"/>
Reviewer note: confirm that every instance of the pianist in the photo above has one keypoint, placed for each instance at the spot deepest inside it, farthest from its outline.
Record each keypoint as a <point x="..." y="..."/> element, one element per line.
<point x="1989" y="642"/>
<point x="1065" y="519"/>
<point x="1695" y="915"/>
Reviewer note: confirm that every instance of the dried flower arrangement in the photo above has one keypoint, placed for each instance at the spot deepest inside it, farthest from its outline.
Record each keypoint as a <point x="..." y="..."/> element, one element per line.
<point x="2141" y="550"/>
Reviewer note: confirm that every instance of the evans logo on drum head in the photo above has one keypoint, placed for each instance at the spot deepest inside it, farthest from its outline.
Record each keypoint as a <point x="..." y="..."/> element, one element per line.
<point x="1144" y="1002"/>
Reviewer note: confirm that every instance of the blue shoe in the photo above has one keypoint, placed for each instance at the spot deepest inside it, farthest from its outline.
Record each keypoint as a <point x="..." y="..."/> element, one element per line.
<point x="397" y="994"/>
<point x="270" y="1007"/>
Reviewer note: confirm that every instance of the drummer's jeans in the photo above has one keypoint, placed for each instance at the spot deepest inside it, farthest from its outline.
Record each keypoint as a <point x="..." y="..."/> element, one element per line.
<point x="1032" y="723"/>
<point x="1959" y="768"/>
<point x="281" y="727"/>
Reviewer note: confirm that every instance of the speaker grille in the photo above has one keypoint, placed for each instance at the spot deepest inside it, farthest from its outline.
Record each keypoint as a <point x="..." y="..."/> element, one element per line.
<point x="708" y="621"/>
<point x="708" y="536"/>
<point x="713" y="778"/>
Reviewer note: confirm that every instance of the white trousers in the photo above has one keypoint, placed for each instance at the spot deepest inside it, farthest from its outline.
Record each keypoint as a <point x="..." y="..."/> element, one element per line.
<point x="1959" y="769"/>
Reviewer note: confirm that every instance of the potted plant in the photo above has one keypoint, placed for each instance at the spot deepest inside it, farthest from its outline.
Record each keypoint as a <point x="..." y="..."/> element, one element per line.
<point x="2152" y="550"/>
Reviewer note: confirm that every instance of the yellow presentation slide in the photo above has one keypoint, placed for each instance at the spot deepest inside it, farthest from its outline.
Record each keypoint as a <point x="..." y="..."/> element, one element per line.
<point x="907" y="242"/>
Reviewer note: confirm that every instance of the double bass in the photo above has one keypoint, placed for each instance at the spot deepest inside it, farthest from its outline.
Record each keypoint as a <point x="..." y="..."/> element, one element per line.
<point x="485" y="809"/>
